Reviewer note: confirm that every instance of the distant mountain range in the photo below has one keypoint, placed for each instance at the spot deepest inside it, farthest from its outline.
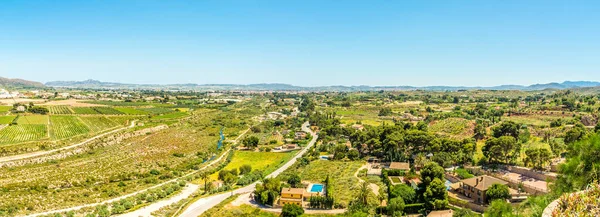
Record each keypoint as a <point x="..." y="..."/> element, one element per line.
<point x="288" y="87"/>
<point x="95" y="84"/>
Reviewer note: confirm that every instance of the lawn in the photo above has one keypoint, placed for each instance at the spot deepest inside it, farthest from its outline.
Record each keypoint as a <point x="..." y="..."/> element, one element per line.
<point x="33" y="119"/>
<point x="266" y="161"/>
<point x="7" y="119"/>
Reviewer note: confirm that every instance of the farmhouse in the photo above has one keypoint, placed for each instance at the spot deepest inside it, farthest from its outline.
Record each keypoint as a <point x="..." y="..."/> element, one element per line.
<point x="291" y="196"/>
<point x="476" y="187"/>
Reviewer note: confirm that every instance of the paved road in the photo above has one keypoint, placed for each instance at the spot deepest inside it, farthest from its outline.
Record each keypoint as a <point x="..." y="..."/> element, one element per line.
<point x="40" y="153"/>
<point x="203" y="204"/>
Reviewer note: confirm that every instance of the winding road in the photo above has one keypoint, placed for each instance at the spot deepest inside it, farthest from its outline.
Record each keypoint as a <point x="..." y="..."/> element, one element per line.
<point x="200" y="206"/>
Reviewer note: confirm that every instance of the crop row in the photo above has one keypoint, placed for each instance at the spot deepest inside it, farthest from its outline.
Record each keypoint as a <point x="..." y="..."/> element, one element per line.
<point x="97" y="110"/>
<point x="22" y="133"/>
<point x="60" y="110"/>
<point x="66" y="126"/>
<point x="98" y="123"/>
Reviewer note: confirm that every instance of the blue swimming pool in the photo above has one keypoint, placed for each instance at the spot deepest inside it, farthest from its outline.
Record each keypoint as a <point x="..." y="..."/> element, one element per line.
<point x="316" y="188"/>
<point x="448" y="184"/>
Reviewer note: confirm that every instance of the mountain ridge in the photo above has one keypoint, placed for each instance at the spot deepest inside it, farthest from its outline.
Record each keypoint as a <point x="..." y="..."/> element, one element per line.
<point x="288" y="87"/>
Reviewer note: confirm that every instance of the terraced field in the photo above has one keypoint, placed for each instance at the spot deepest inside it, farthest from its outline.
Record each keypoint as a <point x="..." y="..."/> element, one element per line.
<point x="63" y="127"/>
<point x="97" y="124"/>
<point x="22" y="133"/>
<point x="59" y="110"/>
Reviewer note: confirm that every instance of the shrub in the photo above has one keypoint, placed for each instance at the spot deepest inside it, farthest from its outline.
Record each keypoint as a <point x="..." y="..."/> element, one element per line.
<point x="291" y="210"/>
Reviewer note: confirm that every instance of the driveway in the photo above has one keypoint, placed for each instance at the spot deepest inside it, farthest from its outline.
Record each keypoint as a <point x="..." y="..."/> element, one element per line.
<point x="203" y="204"/>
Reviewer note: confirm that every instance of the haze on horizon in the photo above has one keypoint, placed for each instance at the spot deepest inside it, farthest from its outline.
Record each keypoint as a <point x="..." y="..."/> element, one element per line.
<point x="304" y="43"/>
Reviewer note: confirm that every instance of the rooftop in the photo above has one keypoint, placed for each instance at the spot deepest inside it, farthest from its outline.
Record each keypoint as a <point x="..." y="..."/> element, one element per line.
<point x="441" y="213"/>
<point x="292" y="191"/>
<point x="400" y="166"/>
<point x="483" y="182"/>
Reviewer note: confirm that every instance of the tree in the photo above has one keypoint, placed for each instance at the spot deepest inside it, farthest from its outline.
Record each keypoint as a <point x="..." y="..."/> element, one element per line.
<point x="403" y="191"/>
<point x="574" y="135"/>
<point x="396" y="207"/>
<point x="245" y="169"/>
<point x="251" y="142"/>
<point x="499" y="208"/>
<point x="497" y="192"/>
<point x="503" y="149"/>
<point x="507" y="128"/>
<point x="353" y="154"/>
<point x="385" y="112"/>
<point x="205" y="177"/>
<point x="431" y="171"/>
<point x="597" y="128"/>
<point x="291" y="210"/>
<point x="294" y="180"/>
<point x="436" y="195"/>
<point x="582" y="166"/>
<point x="537" y="157"/>
<point x="479" y="131"/>
<point x="38" y="110"/>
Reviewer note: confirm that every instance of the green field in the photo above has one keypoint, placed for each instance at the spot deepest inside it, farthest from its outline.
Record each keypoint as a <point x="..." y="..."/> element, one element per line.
<point x="170" y="115"/>
<point x="266" y="161"/>
<point x="131" y="111"/>
<point x="157" y="110"/>
<point x="63" y="127"/>
<point x="22" y="133"/>
<point x="453" y="127"/>
<point x="96" y="124"/>
<point x="5" y="108"/>
<point x="7" y="119"/>
<point x="33" y="119"/>
<point x="107" y="111"/>
<point x="59" y="110"/>
<point x="85" y="110"/>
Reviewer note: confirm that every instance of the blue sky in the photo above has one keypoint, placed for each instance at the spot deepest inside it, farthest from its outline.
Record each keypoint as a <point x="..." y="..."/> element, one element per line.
<point x="309" y="43"/>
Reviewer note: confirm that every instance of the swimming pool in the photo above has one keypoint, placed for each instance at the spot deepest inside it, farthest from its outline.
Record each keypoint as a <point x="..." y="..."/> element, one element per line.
<point x="448" y="184"/>
<point x="316" y="188"/>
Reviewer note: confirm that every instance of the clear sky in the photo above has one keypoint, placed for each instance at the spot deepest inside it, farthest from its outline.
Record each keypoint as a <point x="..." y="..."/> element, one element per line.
<point x="309" y="43"/>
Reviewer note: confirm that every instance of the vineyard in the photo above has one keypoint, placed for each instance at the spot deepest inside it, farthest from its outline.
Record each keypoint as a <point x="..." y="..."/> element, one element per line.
<point x="59" y="110"/>
<point x="97" y="124"/>
<point x="157" y="110"/>
<point x="84" y="110"/>
<point x="33" y="119"/>
<point x="107" y="111"/>
<point x="66" y="126"/>
<point x="131" y="111"/>
<point x="22" y="133"/>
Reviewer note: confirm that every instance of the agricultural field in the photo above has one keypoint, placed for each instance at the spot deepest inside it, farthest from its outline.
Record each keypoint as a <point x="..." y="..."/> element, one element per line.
<point x="132" y="164"/>
<point x="22" y="133"/>
<point x="107" y="111"/>
<point x="131" y="111"/>
<point x="59" y="110"/>
<point x="97" y="124"/>
<point x="157" y="110"/>
<point x="4" y="109"/>
<point x="33" y="119"/>
<point x="7" y="119"/>
<point x="265" y="161"/>
<point x="453" y="127"/>
<point x="63" y="127"/>
<point x="170" y="115"/>
<point x="85" y="111"/>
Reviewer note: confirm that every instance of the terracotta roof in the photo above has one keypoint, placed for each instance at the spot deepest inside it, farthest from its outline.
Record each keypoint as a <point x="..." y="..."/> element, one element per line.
<point x="292" y="191"/>
<point x="483" y="182"/>
<point x="399" y="166"/>
<point x="441" y="213"/>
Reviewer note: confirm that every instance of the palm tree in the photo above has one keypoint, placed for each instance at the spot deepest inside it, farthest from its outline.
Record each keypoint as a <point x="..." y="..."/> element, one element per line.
<point x="420" y="160"/>
<point x="363" y="196"/>
<point x="205" y="177"/>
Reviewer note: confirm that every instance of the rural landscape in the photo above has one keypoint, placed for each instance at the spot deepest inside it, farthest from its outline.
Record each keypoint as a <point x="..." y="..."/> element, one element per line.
<point x="71" y="151"/>
<point x="237" y="108"/>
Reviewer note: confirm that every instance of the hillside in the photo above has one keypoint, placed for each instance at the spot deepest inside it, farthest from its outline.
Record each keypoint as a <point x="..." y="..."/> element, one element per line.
<point x="19" y="83"/>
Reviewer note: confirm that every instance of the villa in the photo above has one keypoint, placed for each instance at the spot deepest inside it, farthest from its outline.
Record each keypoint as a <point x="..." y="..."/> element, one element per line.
<point x="292" y="196"/>
<point x="476" y="187"/>
<point x="300" y="135"/>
